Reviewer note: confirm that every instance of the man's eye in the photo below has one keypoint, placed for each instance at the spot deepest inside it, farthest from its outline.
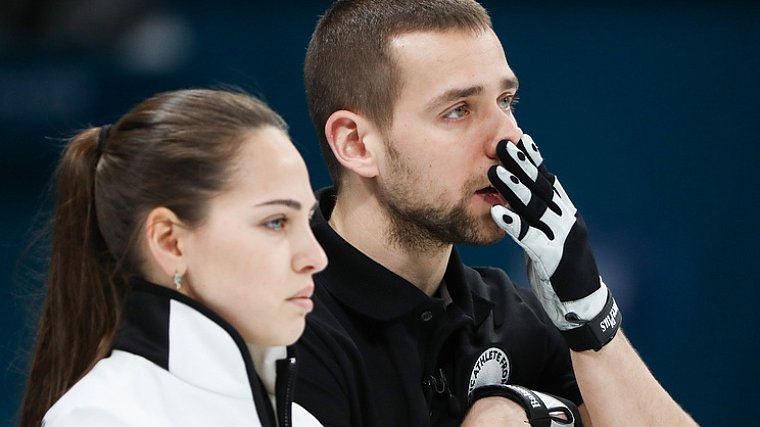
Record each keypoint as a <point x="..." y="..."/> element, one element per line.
<point x="276" y="224"/>
<point x="456" y="113"/>
<point x="509" y="102"/>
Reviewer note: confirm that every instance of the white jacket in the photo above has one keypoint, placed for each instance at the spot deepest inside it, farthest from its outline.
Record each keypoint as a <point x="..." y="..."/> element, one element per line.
<point x="176" y="363"/>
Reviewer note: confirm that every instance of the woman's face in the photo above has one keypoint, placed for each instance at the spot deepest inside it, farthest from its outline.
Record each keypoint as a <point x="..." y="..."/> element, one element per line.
<point x="252" y="259"/>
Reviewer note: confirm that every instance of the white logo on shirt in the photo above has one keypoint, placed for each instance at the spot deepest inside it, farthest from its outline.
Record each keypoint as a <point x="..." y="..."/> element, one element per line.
<point x="491" y="367"/>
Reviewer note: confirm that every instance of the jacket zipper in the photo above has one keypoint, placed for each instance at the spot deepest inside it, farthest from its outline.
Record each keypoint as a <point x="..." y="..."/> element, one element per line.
<point x="284" y="388"/>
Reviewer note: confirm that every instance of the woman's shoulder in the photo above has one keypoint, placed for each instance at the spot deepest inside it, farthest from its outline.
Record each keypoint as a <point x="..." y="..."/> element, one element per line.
<point x="113" y="392"/>
<point x="128" y="390"/>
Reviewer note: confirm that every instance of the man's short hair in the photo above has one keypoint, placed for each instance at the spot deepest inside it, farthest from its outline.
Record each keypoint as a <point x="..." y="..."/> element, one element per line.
<point x="348" y="63"/>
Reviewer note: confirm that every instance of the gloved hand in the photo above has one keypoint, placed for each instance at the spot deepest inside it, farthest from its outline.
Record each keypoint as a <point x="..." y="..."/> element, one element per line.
<point x="542" y="409"/>
<point x="561" y="267"/>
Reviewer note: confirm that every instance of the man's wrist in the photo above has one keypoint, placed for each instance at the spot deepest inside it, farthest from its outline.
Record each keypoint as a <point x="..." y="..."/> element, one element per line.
<point x="495" y="410"/>
<point x="541" y="409"/>
<point x="597" y="332"/>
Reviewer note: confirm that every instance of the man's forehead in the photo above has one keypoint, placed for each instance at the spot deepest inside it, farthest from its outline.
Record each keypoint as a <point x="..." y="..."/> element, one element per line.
<point x="442" y="48"/>
<point x="456" y="59"/>
<point x="405" y="38"/>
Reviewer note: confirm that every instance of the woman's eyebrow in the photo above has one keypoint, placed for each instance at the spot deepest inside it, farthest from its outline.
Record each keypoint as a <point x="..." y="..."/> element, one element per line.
<point x="293" y="204"/>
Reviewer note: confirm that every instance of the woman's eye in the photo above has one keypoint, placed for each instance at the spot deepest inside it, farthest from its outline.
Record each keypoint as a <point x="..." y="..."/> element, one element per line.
<point x="456" y="113"/>
<point x="276" y="224"/>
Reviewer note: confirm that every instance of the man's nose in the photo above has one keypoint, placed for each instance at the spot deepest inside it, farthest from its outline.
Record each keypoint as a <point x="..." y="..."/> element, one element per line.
<point x="507" y="130"/>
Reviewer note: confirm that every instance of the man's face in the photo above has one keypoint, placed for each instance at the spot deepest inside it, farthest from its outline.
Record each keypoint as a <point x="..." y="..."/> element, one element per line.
<point x="454" y="107"/>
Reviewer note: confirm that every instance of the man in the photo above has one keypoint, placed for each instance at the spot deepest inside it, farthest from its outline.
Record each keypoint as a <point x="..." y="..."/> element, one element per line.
<point x="412" y="103"/>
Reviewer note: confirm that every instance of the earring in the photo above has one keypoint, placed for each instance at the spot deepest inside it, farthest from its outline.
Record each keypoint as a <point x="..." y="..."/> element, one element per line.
<point x="178" y="280"/>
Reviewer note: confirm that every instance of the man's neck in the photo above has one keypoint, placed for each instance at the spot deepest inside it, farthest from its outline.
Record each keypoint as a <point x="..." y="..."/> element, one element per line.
<point x="361" y="221"/>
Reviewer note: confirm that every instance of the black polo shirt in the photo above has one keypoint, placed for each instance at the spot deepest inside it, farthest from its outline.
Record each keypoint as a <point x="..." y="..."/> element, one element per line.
<point x="377" y="351"/>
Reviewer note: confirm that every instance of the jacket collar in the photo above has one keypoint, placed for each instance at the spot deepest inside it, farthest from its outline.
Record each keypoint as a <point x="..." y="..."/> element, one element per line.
<point x="374" y="291"/>
<point x="193" y="343"/>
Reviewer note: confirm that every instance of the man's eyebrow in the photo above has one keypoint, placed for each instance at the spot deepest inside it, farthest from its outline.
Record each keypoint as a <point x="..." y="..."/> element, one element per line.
<point x="510" y="83"/>
<point x="459" y="93"/>
<point x="293" y="204"/>
<point x="454" y="94"/>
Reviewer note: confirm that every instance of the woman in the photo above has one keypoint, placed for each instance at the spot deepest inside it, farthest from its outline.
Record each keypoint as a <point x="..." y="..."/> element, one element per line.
<point x="181" y="266"/>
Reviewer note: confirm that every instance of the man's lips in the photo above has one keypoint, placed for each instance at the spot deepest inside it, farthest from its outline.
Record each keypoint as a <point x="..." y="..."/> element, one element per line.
<point x="491" y="196"/>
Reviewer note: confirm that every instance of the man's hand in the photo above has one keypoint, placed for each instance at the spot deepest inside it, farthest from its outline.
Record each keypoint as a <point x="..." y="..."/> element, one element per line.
<point x="561" y="267"/>
<point x="514" y="405"/>
<point x="495" y="411"/>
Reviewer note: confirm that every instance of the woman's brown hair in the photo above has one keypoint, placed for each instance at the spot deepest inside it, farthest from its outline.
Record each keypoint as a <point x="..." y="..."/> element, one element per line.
<point x="176" y="150"/>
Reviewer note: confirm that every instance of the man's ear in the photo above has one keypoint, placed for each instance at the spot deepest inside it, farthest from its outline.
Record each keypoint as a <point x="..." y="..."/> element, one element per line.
<point x="354" y="142"/>
<point x="163" y="231"/>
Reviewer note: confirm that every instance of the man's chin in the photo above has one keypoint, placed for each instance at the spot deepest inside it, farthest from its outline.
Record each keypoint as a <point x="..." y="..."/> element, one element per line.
<point x="487" y="233"/>
<point x="493" y="236"/>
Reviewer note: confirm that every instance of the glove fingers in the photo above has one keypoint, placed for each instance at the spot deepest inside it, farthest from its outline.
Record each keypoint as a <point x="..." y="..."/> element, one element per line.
<point x="518" y="163"/>
<point x="563" y="195"/>
<point x="528" y="146"/>
<point x="522" y="201"/>
<point x="509" y="222"/>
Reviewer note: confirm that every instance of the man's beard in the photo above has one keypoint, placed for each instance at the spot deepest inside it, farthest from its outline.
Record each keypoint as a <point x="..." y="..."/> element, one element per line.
<point x="429" y="226"/>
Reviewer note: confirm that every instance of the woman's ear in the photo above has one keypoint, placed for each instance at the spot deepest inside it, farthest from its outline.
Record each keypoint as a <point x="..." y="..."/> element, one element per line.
<point x="163" y="231"/>
<point x="354" y="142"/>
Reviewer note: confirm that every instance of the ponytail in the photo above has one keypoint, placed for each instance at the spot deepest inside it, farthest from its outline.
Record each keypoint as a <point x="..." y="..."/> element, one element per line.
<point x="83" y="298"/>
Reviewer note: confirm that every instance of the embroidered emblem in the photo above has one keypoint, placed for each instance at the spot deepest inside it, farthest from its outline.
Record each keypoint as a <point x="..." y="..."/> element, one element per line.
<point x="491" y="367"/>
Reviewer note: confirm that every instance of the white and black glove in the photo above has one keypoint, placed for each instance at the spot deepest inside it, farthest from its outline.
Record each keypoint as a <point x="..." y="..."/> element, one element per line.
<point x="561" y="267"/>
<point x="542" y="409"/>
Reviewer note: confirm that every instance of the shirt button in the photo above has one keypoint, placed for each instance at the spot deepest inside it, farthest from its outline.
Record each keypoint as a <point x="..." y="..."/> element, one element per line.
<point x="426" y="316"/>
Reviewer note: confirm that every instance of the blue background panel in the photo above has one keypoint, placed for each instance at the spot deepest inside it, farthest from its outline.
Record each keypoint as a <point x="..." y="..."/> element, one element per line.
<point x="648" y="111"/>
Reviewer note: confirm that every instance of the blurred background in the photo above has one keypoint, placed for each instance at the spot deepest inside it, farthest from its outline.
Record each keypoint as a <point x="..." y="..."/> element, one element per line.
<point x="648" y="111"/>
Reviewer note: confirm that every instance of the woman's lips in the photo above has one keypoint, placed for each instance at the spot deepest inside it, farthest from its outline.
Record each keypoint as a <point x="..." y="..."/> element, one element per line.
<point x="303" y="298"/>
<point x="304" y="302"/>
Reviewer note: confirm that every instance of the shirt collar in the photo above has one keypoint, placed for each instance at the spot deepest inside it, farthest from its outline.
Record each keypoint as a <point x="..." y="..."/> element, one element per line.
<point x="371" y="289"/>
